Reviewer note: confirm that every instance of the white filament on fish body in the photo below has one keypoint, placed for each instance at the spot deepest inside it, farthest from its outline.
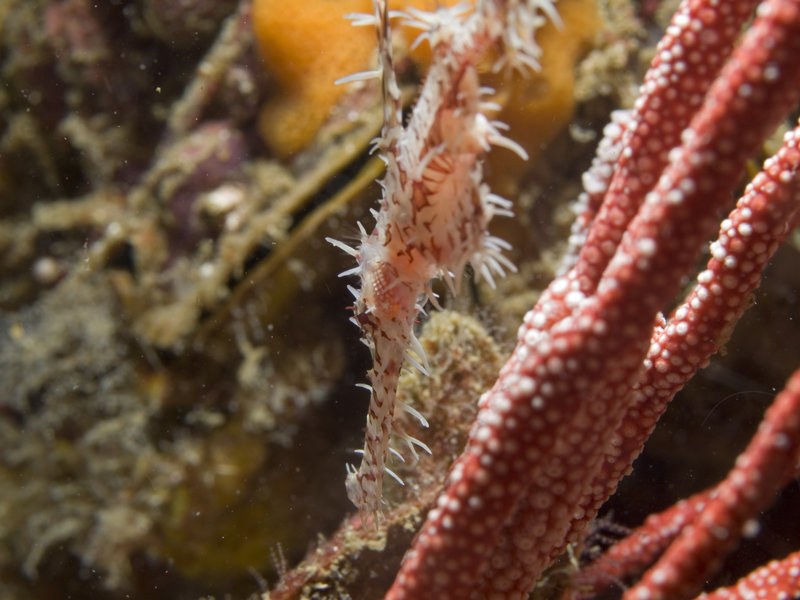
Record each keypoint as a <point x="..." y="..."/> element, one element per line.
<point x="435" y="210"/>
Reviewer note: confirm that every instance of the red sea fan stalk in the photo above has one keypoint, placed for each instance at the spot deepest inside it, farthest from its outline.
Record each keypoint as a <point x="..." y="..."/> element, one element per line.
<point x="596" y="362"/>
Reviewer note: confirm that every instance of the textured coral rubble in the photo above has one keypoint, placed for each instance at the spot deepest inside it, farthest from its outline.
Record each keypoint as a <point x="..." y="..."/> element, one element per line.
<point x="176" y="360"/>
<point x="132" y="206"/>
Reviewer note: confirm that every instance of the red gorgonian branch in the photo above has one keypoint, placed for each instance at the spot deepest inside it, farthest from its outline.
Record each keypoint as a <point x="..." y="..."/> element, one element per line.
<point x="596" y="363"/>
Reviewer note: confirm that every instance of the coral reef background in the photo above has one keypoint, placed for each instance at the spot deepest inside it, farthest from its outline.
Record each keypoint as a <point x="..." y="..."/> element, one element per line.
<point x="176" y="364"/>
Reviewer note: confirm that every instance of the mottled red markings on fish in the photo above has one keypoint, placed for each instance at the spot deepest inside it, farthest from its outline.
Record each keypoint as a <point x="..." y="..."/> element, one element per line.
<point x="435" y="210"/>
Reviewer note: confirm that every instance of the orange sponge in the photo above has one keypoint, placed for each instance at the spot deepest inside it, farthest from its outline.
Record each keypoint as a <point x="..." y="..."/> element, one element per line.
<point x="307" y="45"/>
<point x="537" y="106"/>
